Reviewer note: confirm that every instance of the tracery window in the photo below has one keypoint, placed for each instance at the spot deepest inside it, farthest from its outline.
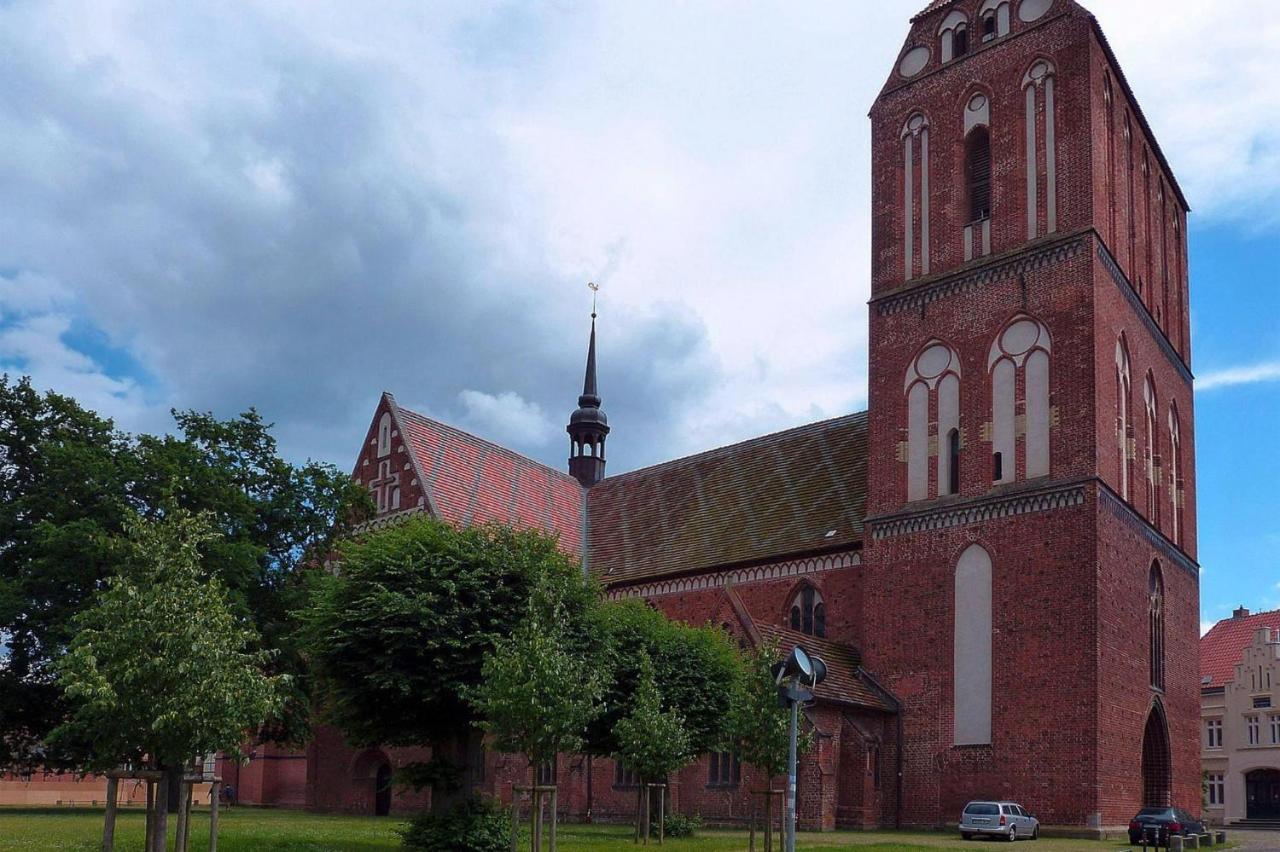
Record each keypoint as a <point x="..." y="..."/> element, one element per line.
<point x="915" y="160"/>
<point x="932" y="385"/>
<point x="1019" y="359"/>
<point x="1123" y="427"/>
<point x="1038" y="85"/>
<point x="724" y="769"/>
<point x="1155" y="611"/>
<point x="1152" y="454"/>
<point x="995" y="19"/>
<point x="809" y="613"/>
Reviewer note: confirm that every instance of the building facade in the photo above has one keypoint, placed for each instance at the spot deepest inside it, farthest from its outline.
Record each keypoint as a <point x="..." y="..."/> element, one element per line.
<point x="999" y="556"/>
<point x="1240" y="718"/>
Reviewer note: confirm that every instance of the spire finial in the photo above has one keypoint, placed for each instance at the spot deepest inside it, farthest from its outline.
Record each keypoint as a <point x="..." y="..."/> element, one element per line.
<point x="595" y="290"/>
<point x="588" y="426"/>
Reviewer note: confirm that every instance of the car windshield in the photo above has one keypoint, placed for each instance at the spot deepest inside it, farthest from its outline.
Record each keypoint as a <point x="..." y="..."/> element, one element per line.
<point x="982" y="808"/>
<point x="1153" y="812"/>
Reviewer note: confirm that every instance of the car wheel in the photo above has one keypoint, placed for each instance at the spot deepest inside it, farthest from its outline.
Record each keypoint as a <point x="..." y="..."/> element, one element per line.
<point x="964" y="835"/>
<point x="1013" y="834"/>
<point x="1035" y="833"/>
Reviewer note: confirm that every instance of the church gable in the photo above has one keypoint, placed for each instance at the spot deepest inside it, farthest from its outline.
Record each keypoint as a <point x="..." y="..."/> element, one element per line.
<point x="467" y="480"/>
<point x="794" y="492"/>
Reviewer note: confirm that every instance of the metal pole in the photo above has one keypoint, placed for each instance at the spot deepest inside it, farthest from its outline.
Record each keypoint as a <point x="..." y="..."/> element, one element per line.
<point x="790" y="839"/>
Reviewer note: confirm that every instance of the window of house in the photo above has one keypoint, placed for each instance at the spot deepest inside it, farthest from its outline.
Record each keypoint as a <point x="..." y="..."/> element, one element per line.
<point x="1214" y="788"/>
<point x="978" y="173"/>
<point x="809" y="613"/>
<point x="1275" y="730"/>
<point x="546" y="776"/>
<point x="624" y="777"/>
<point x="1261" y="702"/>
<point x="1213" y="733"/>
<point x="1253" y="730"/>
<point x="724" y="769"/>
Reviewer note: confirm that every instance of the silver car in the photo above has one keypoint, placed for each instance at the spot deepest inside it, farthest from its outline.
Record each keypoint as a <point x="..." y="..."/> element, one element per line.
<point x="1006" y="820"/>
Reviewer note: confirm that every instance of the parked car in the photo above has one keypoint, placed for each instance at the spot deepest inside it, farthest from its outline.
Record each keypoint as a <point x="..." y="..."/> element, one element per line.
<point x="1007" y="820"/>
<point x="1158" y="824"/>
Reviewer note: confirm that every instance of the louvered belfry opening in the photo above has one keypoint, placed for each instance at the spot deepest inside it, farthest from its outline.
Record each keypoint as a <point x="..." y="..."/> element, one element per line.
<point x="977" y="150"/>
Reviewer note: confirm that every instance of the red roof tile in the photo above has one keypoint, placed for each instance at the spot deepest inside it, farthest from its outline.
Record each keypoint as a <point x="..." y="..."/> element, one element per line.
<point x="1222" y="648"/>
<point x="798" y="491"/>
<point x="471" y="480"/>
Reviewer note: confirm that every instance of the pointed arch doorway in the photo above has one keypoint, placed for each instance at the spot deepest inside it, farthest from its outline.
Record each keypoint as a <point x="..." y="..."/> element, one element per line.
<point x="1157" y="765"/>
<point x="382" y="791"/>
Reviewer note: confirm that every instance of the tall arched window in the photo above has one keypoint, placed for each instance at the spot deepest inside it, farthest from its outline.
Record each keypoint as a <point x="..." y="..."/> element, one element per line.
<point x="809" y="613"/>
<point x="954" y="33"/>
<point x="1123" y="426"/>
<point x="953" y="464"/>
<point x="977" y="171"/>
<point x="1175" y="473"/>
<point x="1038" y="83"/>
<point x="995" y="19"/>
<point x="384" y="434"/>
<point x="1155" y="623"/>
<point x="1152" y="450"/>
<point x="1019" y="360"/>
<point x="932" y="385"/>
<point x="1108" y="99"/>
<point x="915" y="136"/>
<point x="972" y="648"/>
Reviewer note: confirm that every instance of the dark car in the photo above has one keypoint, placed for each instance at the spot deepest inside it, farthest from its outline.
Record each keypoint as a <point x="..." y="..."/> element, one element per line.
<point x="1157" y="825"/>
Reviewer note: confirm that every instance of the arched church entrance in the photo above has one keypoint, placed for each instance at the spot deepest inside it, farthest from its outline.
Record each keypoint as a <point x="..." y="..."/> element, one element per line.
<point x="382" y="791"/>
<point x="1262" y="794"/>
<point x="1157" y="766"/>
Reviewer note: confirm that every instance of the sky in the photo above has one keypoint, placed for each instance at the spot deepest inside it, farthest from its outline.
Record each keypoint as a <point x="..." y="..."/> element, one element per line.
<point x="297" y="205"/>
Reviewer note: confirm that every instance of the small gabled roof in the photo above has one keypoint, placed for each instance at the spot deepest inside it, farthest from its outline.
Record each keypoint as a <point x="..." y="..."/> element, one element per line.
<point x="469" y="480"/>
<point x="845" y="682"/>
<point x="796" y="492"/>
<point x="1222" y="648"/>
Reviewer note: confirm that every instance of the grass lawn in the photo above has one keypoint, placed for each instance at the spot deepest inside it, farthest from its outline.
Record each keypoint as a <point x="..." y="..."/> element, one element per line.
<point x="245" y="829"/>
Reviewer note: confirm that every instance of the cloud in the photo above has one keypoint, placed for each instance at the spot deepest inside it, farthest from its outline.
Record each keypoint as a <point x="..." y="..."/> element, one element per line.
<point x="1206" y="626"/>
<point x="1265" y="372"/>
<point x="297" y="205"/>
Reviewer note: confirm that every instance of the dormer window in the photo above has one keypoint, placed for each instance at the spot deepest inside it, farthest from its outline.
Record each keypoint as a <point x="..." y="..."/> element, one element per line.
<point x="954" y="34"/>
<point x="809" y="613"/>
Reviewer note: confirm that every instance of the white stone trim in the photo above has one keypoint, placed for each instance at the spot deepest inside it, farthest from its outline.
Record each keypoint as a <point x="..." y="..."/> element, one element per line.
<point x="737" y="576"/>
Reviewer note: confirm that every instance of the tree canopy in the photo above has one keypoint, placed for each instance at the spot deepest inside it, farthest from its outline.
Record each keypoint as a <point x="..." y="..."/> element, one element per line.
<point x="652" y="741"/>
<point x="759" y="723"/>
<point x="69" y="483"/>
<point x="161" y="666"/>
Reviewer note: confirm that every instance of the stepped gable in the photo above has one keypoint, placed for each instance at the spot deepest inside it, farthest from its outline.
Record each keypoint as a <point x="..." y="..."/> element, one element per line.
<point x="469" y="480"/>
<point x="791" y="493"/>
<point x="1222" y="648"/>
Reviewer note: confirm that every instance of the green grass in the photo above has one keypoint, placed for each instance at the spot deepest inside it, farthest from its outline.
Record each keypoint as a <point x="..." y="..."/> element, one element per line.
<point x="250" y="830"/>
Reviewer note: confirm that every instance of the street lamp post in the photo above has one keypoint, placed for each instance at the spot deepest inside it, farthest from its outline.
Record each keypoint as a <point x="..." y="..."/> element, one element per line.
<point x="801" y="672"/>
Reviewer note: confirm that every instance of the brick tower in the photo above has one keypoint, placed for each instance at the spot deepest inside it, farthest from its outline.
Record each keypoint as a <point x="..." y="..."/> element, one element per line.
<point x="1031" y="585"/>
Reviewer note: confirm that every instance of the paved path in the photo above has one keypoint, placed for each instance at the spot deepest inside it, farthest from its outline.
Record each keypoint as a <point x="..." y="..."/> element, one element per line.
<point x="1255" y="839"/>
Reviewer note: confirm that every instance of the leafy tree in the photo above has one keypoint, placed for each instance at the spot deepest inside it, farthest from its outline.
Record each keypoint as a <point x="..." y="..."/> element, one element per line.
<point x="759" y="723"/>
<point x="161" y="668"/>
<point x="694" y="668"/>
<point x="652" y="742"/>
<point x="535" y="695"/>
<point x="400" y="632"/>
<point x="69" y="482"/>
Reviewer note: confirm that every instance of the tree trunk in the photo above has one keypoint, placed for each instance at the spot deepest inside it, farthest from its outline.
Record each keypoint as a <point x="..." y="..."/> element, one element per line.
<point x="174" y="801"/>
<point x="466" y="754"/>
<point x="160" y="837"/>
<point x="768" y="821"/>
<point x="109" y="827"/>
<point x="151" y="815"/>
<point x="215" y="793"/>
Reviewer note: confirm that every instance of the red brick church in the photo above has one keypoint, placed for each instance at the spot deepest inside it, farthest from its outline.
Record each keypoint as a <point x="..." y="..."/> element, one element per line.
<point x="997" y="558"/>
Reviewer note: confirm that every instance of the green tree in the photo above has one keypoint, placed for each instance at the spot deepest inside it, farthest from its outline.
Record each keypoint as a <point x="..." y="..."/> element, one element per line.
<point x="652" y="741"/>
<point x="694" y="669"/>
<point x="535" y="695"/>
<point x="69" y="481"/>
<point x="161" y="668"/>
<point x="759" y="724"/>
<point x="401" y="630"/>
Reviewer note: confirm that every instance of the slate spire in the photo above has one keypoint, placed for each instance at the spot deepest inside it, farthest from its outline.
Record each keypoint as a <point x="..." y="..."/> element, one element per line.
<point x="588" y="426"/>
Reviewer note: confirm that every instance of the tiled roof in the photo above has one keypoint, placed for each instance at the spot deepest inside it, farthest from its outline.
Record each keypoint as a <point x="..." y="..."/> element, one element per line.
<point x="843" y="683"/>
<point x="932" y="7"/>
<point x="798" y="491"/>
<point x="470" y="480"/>
<point x="1222" y="648"/>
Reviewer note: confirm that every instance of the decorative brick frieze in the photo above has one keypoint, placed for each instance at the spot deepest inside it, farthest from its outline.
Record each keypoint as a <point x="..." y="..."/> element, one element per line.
<point x="989" y="273"/>
<point x="752" y="574"/>
<point x="975" y="511"/>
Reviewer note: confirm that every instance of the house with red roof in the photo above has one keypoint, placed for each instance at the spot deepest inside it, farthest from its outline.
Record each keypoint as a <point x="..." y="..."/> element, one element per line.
<point x="1240" y="715"/>
<point x="997" y="558"/>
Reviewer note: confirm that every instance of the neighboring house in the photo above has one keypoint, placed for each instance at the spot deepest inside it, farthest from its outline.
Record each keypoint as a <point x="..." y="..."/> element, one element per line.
<point x="1240" y="708"/>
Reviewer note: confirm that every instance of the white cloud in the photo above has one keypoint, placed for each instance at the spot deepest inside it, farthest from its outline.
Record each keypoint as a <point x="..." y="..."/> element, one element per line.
<point x="1206" y="626"/>
<point x="506" y="418"/>
<point x="1231" y="376"/>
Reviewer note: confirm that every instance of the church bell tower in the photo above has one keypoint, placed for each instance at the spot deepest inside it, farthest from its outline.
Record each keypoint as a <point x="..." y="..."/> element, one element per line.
<point x="588" y="426"/>
<point x="1031" y="508"/>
